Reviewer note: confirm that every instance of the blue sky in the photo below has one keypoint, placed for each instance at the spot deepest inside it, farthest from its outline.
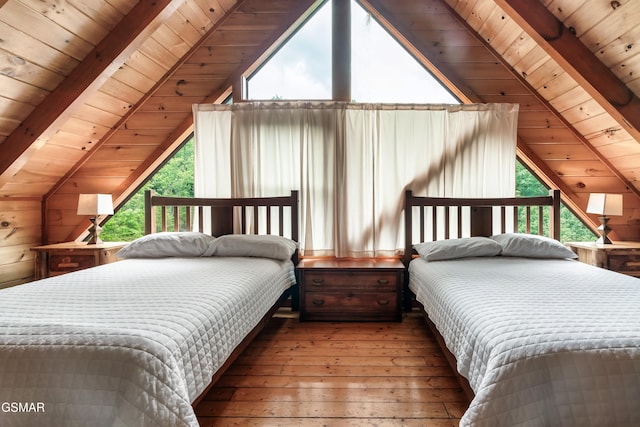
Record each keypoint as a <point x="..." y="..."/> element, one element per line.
<point x="382" y="71"/>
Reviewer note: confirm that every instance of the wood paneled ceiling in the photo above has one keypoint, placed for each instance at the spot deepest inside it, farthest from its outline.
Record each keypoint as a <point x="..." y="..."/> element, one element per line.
<point x="96" y="94"/>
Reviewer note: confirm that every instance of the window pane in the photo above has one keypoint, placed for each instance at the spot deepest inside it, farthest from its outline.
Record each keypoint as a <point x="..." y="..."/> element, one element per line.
<point x="301" y="69"/>
<point x="383" y="70"/>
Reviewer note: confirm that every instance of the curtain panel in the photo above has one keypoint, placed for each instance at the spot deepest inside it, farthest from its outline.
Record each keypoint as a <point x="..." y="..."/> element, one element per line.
<point x="352" y="162"/>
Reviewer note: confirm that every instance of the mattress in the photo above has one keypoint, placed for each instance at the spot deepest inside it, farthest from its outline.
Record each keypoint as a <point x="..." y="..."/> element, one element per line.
<point x="542" y="342"/>
<point x="131" y="343"/>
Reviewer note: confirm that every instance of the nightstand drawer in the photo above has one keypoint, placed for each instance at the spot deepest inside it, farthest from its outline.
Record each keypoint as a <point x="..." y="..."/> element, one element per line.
<point x="625" y="263"/>
<point x="351" y="306"/>
<point x="353" y="301"/>
<point x="65" y="263"/>
<point x="61" y="258"/>
<point x="351" y="290"/>
<point x="371" y="280"/>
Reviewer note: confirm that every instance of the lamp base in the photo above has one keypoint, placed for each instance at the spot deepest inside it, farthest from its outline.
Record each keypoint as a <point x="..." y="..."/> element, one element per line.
<point x="604" y="240"/>
<point x="94" y="232"/>
<point x="604" y="230"/>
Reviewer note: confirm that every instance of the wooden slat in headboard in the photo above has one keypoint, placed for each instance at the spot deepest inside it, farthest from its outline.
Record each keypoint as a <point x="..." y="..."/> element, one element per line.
<point x="222" y="213"/>
<point x="481" y="215"/>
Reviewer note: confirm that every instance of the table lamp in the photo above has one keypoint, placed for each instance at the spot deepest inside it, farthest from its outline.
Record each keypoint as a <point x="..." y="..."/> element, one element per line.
<point x="603" y="205"/>
<point x="95" y="205"/>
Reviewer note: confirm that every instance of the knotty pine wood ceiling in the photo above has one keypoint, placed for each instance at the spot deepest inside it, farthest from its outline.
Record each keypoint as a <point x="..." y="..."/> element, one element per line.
<point x="96" y="94"/>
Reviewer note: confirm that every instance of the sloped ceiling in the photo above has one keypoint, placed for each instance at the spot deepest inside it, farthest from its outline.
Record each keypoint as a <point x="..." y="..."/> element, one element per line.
<point x="96" y="94"/>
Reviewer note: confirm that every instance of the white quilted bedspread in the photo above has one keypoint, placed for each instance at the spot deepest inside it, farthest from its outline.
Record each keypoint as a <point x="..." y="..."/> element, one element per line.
<point x="131" y="343"/>
<point x="542" y="342"/>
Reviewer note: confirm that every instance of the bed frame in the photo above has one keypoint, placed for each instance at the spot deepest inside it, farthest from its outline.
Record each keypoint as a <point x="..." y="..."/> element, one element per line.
<point x="483" y="220"/>
<point x="221" y="210"/>
<point x="487" y="217"/>
<point x="228" y="216"/>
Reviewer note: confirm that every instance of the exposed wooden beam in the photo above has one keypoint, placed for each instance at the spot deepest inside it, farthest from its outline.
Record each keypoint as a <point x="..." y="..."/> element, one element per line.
<point x="577" y="60"/>
<point x="341" y="49"/>
<point x="100" y="64"/>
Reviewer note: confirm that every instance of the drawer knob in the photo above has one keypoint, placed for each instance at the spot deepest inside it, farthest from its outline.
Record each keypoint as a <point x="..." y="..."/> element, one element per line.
<point x="383" y="301"/>
<point x="317" y="282"/>
<point x="68" y="264"/>
<point x="318" y="302"/>
<point x="383" y="281"/>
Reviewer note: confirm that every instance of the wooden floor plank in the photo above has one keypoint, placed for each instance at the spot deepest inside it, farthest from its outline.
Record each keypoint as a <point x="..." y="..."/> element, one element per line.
<point x="341" y="395"/>
<point x="338" y="382"/>
<point x="332" y="422"/>
<point x="331" y="409"/>
<point x="377" y="361"/>
<point x="341" y="371"/>
<point x="337" y="374"/>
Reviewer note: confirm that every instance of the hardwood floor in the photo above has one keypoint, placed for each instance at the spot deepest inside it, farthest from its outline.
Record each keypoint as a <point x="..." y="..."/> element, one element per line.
<point x="337" y="374"/>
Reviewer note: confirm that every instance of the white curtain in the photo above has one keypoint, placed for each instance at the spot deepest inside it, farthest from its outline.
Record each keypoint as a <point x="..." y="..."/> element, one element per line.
<point x="352" y="162"/>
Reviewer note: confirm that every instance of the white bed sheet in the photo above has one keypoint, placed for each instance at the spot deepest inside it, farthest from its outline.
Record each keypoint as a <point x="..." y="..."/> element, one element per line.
<point x="131" y="343"/>
<point x="542" y="342"/>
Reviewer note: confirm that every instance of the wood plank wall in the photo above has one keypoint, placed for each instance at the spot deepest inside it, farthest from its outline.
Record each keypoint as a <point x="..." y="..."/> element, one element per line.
<point x="19" y="231"/>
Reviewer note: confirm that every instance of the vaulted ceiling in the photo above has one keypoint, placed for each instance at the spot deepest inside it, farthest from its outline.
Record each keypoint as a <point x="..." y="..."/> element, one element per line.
<point x="96" y="94"/>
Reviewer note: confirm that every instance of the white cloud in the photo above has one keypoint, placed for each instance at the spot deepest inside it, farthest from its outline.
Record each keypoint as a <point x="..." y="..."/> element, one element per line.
<point x="288" y="80"/>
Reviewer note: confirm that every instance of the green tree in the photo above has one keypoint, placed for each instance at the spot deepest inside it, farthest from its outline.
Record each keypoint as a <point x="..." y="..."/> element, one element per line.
<point x="572" y="229"/>
<point x="175" y="178"/>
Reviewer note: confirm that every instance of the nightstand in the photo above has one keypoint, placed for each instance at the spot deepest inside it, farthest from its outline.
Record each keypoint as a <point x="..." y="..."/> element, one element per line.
<point x="623" y="257"/>
<point x="351" y="290"/>
<point x="61" y="258"/>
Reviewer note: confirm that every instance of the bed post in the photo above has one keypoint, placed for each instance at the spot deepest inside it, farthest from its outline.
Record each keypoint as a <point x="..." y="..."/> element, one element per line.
<point x="294" y="215"/>
<point x="408" y="247"/>
<point x="407" y="295"/>
<point x="149" y="213"/>
<point x="554" y="217"/>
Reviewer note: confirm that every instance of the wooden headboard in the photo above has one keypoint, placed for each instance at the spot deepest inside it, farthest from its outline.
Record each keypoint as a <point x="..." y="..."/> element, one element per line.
<point x="446" y="214"/>
<point x="227" y="215"/>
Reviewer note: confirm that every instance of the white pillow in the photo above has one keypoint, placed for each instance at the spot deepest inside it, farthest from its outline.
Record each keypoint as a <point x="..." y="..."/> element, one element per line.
<point x="253" y="245"/>
<point x="167" y="244"/>
<point x="458" y="248"/>
<point x="532" y="246"/>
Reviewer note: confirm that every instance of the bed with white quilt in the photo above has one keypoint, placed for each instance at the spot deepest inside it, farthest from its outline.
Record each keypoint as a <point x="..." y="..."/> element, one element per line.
<point x="137" y="342"/>
<point x="539" y="338"/>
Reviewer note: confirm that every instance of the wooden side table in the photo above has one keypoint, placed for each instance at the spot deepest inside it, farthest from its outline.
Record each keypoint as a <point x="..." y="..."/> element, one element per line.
<point x="61" y="258"/>
<point x="623" y="257"/>
<point x="351" y="290"/>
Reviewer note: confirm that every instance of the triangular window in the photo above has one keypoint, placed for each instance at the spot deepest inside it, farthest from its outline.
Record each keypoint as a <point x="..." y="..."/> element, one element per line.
<point x="382" y="69"/>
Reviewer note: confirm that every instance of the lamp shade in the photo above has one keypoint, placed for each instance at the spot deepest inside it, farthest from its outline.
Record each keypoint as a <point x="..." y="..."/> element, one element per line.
<point x="95" y="204"/>
<point x="605" y="204"/>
